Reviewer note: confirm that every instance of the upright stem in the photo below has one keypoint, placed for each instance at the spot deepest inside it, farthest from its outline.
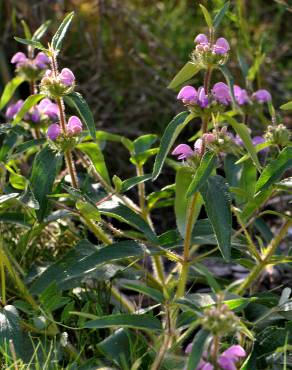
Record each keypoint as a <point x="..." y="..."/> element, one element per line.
<point x="257" y="270"/>
<point x="71" y="168"/>
<point x="141" y="189"/>
<point x="3" y="282"/>
<point x="187" y="244"/>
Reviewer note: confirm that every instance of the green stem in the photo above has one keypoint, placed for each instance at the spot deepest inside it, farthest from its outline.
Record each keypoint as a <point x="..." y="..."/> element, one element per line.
<point x="187" y="245"/>
<point x="141" y="190"/>
<point x="3" y="282"/>
<point x="271" y="248"/>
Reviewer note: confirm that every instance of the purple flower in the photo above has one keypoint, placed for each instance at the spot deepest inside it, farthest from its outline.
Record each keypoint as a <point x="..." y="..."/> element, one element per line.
<point x="240" y="95"/>
<point x="47" y="107"/>
<point x="41" y="60"/>
<point x="260" y="140"/>
<point x="19" y="59"/>
<point x="183" y="151"/>
<point x="53" y="131"/>
<point x="74" y="125"/>
<point x="188" y="95"/>
<point x="201" y="39"/>
<point x="209" y="138"/>
<point x="34" y="115"/>
<point x="67" y="77"/>
<point x="13" y="109"/>
<point x="262" y="96"/>
<point x="203" y="100"/>
<point x="221" y="93"/>
<point x="221" y="46"/>
<point x="227" y="360"/>
<point x="198" y="146"/>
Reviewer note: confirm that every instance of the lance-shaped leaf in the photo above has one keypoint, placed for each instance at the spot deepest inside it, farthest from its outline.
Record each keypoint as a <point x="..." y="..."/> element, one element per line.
<point x="38" y="34"/>
<point x="78" y="102"/>
<point x="9" y="90"/>
<point x="44" y="171"/>
<point x="144" y="321"/>
<point x="220" y="15"/>
<point x="287" y="106"/>
<point x="93" y="151"/>
<point x="29" y="103"/>
<point x="244" y="134"/>
<point x="274" y="170"/>
<point x="217" y="202"/>
<point x="207" y="16"/>
<point x="133" y="181"/>
<point x="203" y="172"/>
<point x="58" y="37"/>
<point x="33" y="43"/>
<point x="125" y="214"/>
<point x="197" y="349"/>
<point x="170" y="134"/>
<point x="188" y="71"/>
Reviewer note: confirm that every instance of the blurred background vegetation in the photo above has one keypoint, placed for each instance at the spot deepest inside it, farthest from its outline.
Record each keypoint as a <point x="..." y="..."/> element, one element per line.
<point x="125" y="52"/>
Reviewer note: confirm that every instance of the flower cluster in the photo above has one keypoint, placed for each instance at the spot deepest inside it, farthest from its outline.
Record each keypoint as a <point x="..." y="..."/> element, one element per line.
<point x="220" y="94"/>
<point x="184" y="151"/>
<point x="55" y="86"/>
<point x="41" y="113"/>
<point x="73" y="128"/>
<point x="207" y="53"/>
<point x="30" y="68"/>
<point x="226" y="361"/>
<point x="278" y="135"/>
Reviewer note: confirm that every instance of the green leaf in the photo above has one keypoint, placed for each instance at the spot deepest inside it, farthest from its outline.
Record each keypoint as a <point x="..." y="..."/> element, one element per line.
<point x="188" y="71"/>
<point x="220" y="15"/>
<point x="248" y="177"/>
<point x="207" y="15"/>
<point x="92" y="150"/>
<point x="29" y="103"/>
<point x="26" y="29"/>
<point x="257" y="62"/>
<point x="77" y="100"/>
<point x="144" y="321"/>
<point x="58" y="37"/>
<point x="88" y="210"/>
<point x="125" y="214"/>
<point x="244" y="134"/>
<point x="84" y="261"/>
<point x="170" y="134"/>
<point x="44" y="171"/>
<point x="286" y="106"/>
<point x="217" y="201"/>
<point x="29" y="144"/>
<point x="133" y="181"/>
<point x="144" y="143"/>
<point x="9" y="90"/>
<point x="182" y="203"/>
<point x="202" y="173"/>
<point x="197" y="349"/>
<point x="230" y="81"/>
<point x="38" y="34"/>
<point x="151" y="292"/>
<point x="33" y="43"/>
<point x="275" y="169"/>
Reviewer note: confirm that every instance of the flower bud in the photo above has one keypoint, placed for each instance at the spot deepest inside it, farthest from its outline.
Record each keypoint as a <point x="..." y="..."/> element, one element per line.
<point x="67" y="77"/>
<point x="13" y="109"/>
<point x="221" y="46"/>
<point x="198" y="146"/>
<point x="220" y="320"/>
<point x="183" y="151"/>
<point x="53" y="131"/>
<point x="201" y="39"/>
<point x="221" y="93"/>
<point x="278" y="135"/>
<point x="209" y="138"/>
<point x="74" y="126"/>
<point x="188" y="95"/>
<point x="41" y="61"/>
<point x="19" y="59"/>
<point x="262" y="96"/>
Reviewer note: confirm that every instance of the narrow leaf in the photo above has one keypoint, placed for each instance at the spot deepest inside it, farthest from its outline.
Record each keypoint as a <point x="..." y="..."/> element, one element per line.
<point x="93" y="151"/>
<point x="9" y="90"/>
<point x="58" y="37"/>
<point x="287" y="106"/>
<point x="133" y="181"/>
<point x="170" y="134"/>
<point x="38" y="34"/>
<point x="34" y="44"/>
<point x="220" y="15"/>
<point x="151" y="292"/>
<point x="144" y="321"/>
<point x="188" y="71"/>
<point x="274" y="170"/>
<point x="230" y="81"/>
<point x="217" y="201"/>
<point x="44" y="171"/>
<point x="203" y="172"/>
<point x="29" y="103"/>
<point x="77" y="100"/>
<point x="197" y="349"/>
<point x="207" y="16"/>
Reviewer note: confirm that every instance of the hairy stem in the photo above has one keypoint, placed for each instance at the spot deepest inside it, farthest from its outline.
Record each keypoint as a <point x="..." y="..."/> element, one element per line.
<point x="269" y="252"/>
<point x="71" y="168"/>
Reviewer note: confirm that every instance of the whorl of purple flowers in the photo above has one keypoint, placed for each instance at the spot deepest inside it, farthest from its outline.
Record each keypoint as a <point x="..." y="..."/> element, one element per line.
<point x="73" y="128"/>
<point x="220" y="47"/>
<point x="41" y="61"/>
